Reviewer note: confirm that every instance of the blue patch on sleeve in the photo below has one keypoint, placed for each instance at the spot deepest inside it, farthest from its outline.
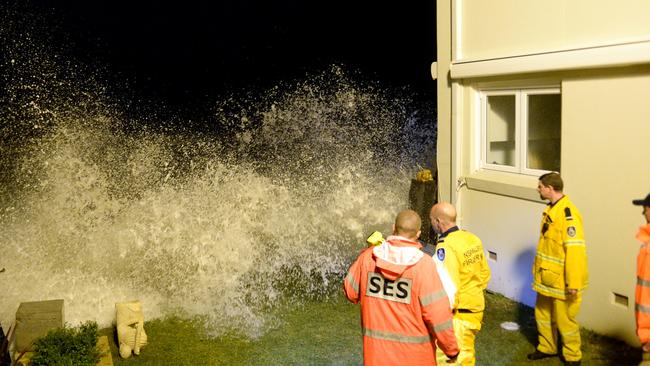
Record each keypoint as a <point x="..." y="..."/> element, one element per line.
<point x="440" y="253"/>
<point x="571" y="231"/>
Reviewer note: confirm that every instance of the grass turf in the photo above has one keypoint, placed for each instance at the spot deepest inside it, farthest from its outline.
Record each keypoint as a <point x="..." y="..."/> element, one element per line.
<point x="498" y="347"/>
<point x="328" y="333"/>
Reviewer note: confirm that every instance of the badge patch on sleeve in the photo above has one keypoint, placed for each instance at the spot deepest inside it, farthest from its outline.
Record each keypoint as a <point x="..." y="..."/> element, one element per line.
<point x="441" y="254"/>
<point x="571" y="231"/>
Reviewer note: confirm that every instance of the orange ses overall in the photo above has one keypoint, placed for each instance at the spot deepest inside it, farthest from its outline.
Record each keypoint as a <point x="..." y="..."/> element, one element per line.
<point x="404" y="309"/>
<point x="643" y="285"/>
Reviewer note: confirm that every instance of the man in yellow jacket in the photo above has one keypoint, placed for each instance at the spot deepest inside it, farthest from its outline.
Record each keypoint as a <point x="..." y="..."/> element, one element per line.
<point x="461" y="254"/>
<point x="559" y="273"/>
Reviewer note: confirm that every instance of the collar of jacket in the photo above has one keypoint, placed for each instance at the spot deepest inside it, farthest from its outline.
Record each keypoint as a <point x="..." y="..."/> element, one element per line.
<point x="396" y="254"/>
<point x="444" y="235"/>
<point x="400" y="241"/>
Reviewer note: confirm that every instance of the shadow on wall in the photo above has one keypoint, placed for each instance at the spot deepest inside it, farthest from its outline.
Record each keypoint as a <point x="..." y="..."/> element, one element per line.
<point x="523" y="270"/>
<point x="526" y="295"/>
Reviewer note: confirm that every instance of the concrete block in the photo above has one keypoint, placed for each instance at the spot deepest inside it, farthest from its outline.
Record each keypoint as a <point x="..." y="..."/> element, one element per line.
<point x="34" y="319"/>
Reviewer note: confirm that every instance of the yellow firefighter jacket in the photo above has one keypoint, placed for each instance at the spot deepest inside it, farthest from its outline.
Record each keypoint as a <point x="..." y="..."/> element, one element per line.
<point x="561" y="260"/>
<point x="461" y="253"/>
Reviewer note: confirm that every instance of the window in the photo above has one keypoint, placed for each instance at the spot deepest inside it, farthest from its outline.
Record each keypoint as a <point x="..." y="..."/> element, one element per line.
<point x="521" y="130"/>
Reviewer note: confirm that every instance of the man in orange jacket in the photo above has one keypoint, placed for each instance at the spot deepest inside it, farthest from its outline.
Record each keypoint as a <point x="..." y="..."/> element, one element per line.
<point x="642" y="295"/>
<point x="404" y="308"/>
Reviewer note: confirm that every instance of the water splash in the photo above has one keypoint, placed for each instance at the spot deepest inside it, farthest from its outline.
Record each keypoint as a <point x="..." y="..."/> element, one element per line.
<point x="269" y="207"/>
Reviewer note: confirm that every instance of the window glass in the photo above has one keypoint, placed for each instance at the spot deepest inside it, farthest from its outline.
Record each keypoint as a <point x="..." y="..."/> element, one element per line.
<point x="500" y="130"/>
<point x="544" y="128"/>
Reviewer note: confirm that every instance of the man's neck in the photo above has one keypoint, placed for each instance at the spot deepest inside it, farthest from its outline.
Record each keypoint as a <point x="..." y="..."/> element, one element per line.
<point x="556" y="197"/>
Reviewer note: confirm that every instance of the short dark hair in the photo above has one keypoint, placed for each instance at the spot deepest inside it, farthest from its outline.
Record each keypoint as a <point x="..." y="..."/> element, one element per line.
<point x="552" y="179"/>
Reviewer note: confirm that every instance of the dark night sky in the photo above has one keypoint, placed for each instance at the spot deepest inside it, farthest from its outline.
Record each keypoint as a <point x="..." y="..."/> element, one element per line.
<point x="186" y="50"/>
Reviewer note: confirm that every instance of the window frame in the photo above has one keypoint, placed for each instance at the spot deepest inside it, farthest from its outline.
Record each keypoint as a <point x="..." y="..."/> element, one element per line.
<point x="521" y="127"/>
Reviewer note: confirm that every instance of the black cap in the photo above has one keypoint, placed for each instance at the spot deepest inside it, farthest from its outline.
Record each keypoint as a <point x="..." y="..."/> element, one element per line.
<point x="643" y="202"/>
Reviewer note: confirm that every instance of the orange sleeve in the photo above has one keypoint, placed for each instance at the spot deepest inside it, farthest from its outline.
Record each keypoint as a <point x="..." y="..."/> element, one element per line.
<point x="352" y="280"/>
<point x="436" y="312"/>
<point x="642" y="308"/>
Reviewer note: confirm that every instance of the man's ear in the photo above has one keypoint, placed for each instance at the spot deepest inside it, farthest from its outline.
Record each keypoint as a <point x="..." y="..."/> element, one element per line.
<point x="417" y="236"/>
<point x="393" y="229"/>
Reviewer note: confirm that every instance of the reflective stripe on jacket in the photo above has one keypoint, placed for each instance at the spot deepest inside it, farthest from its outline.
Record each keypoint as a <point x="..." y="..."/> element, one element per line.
<point x="561" y="259"/>
<point x="642" y="295"/>
<point x="404" y="307"/>
<point x="462" y="255"/>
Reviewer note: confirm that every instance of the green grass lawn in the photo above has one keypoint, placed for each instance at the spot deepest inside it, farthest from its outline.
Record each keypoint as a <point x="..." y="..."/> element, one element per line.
<point x="328" y="333"/>
<point x="499" y="347"/>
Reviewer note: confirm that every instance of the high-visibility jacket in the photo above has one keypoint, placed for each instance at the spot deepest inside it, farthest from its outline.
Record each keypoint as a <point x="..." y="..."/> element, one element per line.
<point x="404" y="307"/>
<point x="461" y="254"/>
<point x="642" y="295"/>
<point x="561" y="259"/>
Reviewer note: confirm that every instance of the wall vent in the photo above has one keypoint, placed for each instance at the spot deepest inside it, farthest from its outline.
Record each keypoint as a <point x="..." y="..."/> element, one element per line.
<point x="492" y="255"/>
<point x="620" y="299"/>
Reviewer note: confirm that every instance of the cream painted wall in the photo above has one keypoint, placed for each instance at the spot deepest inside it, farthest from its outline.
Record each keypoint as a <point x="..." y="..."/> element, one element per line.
<point x="444" y="142"/>
<point x="606" y="164"/>
<point x="508" y="227"/>
<point x="518" y="27"/>
<point x="605" y="142"/>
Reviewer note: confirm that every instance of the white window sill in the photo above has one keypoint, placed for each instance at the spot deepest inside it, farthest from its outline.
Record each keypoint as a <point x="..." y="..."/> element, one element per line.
<point x="503" y="183"/>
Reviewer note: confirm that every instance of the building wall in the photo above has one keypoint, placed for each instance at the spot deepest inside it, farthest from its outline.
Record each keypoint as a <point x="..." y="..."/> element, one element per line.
<point x="507" y="226"/>
<point x="605" y="142"/>
<point x="444" y="142"/>
<point x="605" y="164"/>
<point x="516" y="27"/>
